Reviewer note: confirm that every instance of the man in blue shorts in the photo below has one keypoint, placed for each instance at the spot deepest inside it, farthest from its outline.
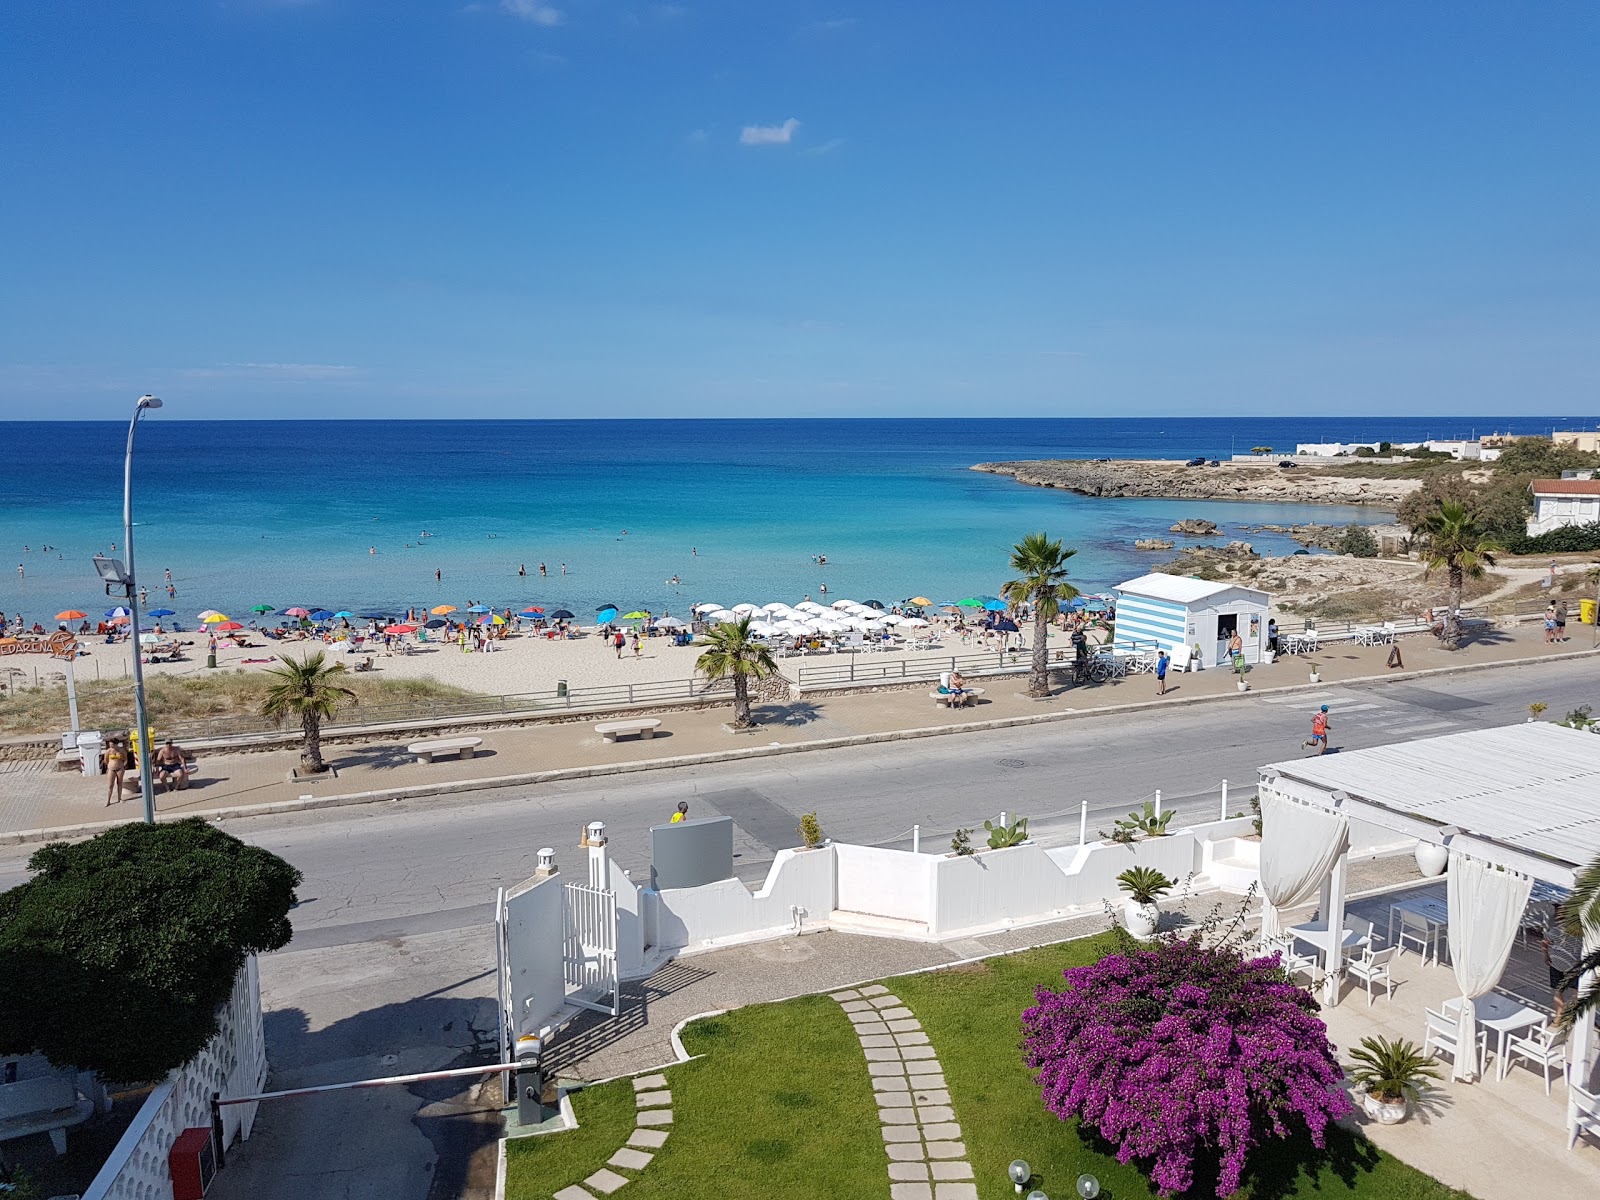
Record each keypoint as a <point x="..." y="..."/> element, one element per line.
<point x="1319" y="731"/>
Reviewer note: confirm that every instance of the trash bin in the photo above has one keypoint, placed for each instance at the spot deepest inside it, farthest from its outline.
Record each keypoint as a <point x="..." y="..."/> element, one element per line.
<point x="1586" y="612"/>
<point x="90" y="743"/>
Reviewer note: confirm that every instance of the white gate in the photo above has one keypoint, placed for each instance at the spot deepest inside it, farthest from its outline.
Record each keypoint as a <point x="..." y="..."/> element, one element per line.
<point x="589" y="948"/>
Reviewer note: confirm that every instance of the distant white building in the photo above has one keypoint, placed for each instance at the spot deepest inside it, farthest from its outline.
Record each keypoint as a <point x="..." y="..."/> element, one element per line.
<point x="1463" y="450"/>
<point x="1587" y="440"/>
<point x="1345" y="449"/>
<point x="1561" y="502"/>
<point x="1173" y="611"/>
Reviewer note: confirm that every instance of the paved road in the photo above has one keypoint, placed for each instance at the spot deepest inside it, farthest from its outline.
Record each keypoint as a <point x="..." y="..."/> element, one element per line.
<point x="391" y="965"/>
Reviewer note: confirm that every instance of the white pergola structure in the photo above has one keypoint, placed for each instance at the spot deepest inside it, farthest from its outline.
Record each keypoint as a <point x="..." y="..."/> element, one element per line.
<point x="1511" y="805"/>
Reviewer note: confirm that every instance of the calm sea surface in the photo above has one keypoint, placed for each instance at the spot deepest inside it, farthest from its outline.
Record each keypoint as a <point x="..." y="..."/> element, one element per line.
<point x="285" y="513"/>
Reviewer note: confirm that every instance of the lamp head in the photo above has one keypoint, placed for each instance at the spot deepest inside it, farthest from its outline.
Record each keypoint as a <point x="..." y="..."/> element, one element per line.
<point x="1020" y="1172"/>
<point x="149" y="401"/>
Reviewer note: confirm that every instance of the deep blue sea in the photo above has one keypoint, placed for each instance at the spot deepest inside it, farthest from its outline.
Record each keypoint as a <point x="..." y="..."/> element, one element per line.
<point x="330" y="513"/>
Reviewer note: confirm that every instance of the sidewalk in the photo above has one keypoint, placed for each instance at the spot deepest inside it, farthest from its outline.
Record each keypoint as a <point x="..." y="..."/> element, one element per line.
<point x="37" y="802"/>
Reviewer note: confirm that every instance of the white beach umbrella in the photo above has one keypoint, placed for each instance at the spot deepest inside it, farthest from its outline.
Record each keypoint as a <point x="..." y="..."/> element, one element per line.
<point x="721" y="615"/>
<point x="891" y="619"/>
<point x="775" y="607"/>
<point x="843" y="603"/>
<point x="797" y="627"/>
<point x="810" y="606"/>
<point x="763" y="628"/>
<point x="705" y="606"/>
<point x="741" y="609"/>
<point x="829" y="625"/>
<point x="913" y="622"/>
<point x="853" y="622"/>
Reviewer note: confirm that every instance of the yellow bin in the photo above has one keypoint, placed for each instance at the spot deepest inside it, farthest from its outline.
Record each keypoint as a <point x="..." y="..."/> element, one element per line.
<point x="1586" y="611"/>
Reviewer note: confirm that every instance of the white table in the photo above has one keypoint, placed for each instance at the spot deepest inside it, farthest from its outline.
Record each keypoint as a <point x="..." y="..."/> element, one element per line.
<point x="1315" y="933"/>
<point x="1432" y="910"/>
<point x="1502" y="1014"/>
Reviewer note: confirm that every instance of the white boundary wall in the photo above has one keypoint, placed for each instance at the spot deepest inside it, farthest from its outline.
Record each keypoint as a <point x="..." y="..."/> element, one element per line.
<point x="234" y="1063"/>
<point x="885" y="883"/>
<point x="727" y="911"/>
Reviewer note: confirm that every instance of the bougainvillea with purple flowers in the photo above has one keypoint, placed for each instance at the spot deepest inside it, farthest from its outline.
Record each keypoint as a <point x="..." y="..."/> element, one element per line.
<point x="1181" y="1051"/>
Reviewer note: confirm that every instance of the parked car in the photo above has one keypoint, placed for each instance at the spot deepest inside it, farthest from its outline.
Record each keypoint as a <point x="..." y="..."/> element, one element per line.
<point x="1198" y="461"/>
<point x="1287" y="465"/>
<point x="1216" y="462"/>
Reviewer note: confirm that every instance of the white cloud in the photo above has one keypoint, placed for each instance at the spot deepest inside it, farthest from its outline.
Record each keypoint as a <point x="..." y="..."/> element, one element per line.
<point x="769" y="135"/>
<point x="534" y="11"/>
<point x="698" y="137"/>
<point x="827" y="147"/>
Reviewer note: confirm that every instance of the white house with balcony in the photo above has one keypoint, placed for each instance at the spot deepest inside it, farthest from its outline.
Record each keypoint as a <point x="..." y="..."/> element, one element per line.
<point x="1560" y="502"/>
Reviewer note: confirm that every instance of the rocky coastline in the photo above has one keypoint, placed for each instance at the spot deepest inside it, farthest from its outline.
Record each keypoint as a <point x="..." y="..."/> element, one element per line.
<point x="1165" y="479"/>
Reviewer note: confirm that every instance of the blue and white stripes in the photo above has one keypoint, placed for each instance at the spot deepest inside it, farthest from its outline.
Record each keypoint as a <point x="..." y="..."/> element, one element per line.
<point x="1143" y="622"/>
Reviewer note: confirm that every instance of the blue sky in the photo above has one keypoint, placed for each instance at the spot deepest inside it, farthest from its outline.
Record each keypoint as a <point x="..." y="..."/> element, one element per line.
<point x="583" y="208"/>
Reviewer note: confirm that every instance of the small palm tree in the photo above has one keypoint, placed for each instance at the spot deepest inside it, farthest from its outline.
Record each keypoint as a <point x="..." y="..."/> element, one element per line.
<point x="304" y="688"/>
<point x="1456" y="544"/>
<point x="732" y="653"/>
<point x="1041" y="565"/>
<point x="1579" y="914"/>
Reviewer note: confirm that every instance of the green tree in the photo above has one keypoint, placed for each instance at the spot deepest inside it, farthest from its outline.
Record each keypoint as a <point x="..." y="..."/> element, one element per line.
<point x="1536" y="457"/>
<point x="116" y="954"/>
<point x="1436" y="488"/>
<point x="1579" y="914"/>
<point x="303" y="688"/>
<point x="1459" y="547"/>
<point x="1358" y="542"/>
<point x="732" y="653"/>
<point x="1041" y="565"/>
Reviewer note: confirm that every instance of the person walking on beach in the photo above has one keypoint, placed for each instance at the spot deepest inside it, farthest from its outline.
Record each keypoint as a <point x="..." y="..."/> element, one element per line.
<point x="1163" y="660"/>
<point x="682" y="814"/>
<point x="619" y="641"/>
<point x="1561" y="620"/>
<point x="637" y="644"/>
<point x="117" y="759"/>
<point x="1549" y="622"/>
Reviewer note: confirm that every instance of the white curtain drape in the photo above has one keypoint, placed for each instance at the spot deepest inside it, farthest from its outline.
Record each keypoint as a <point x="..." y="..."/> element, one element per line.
<point x="1299" y="845"/>
<point x="1486" y="905"/>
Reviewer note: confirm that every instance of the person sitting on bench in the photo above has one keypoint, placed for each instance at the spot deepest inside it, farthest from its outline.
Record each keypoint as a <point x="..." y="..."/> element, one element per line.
<point x="172" y="771"/>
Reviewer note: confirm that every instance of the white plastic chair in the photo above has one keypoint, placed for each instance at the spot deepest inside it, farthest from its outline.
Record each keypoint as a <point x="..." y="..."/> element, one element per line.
<point x="1373" y="967"/>
<point x="1586" y="1114"/>
<point x="1418" y="932"/>
<point x="1442" y="1033"/>
<point x="1545" y="1046"/>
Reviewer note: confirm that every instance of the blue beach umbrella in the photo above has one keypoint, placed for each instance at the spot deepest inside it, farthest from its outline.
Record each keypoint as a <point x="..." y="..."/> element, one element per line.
<point x="374" y="616"/>
<point x="606" y="615"/>
<point x="480" y="608"/>
<point x="1006" y="625"/>
<point x="1076" y="603"/>
<point x="1096" y="606"/>
<point x="995" y="605"/>
<point x="344" y="612"/>
<point x="119" y="611"/>
<point x="161" y="612"/>
<point x="322" y="614"/>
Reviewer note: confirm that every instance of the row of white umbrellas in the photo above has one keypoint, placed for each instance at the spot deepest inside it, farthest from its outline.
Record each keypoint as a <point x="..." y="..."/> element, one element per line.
<point x="807" y="618"/>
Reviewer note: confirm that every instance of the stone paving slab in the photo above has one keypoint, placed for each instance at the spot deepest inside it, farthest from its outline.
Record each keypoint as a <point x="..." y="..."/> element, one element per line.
<point x="633" y="1160"/>
<point x="605" y="1181"/>
<point x="649" y="1083"/>
<point x="574" y="1193"/>
<point x="661" y="1099"/>
<point x="652" y="1139"/>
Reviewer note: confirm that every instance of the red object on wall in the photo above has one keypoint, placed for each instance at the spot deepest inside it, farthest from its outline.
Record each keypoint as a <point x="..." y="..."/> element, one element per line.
<point x="193" y="1162"/>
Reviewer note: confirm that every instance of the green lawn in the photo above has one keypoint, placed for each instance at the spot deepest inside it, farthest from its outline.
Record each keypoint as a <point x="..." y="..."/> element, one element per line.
<point x="971" y="1015"/>
<point x="781" y="1106"/>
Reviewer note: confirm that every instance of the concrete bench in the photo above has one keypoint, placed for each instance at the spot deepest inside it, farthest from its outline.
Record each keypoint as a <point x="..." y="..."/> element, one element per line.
<point x="462" y="747"/>
<point x="69" y="760"/>
<point x="45" y="1104"/>
<point x="948" y="698"/>
<point x="645" y="727"/>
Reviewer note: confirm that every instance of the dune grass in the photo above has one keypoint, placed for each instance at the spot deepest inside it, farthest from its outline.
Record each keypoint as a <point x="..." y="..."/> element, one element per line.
<point x="172" y="698"/>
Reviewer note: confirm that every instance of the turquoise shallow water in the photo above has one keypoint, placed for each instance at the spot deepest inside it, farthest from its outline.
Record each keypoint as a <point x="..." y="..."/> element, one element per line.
<point x="286" y="512"/>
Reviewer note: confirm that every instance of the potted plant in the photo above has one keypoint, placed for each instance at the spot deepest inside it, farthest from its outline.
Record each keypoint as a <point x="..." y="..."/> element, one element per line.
<point x="1003" y="837"/>
<point x="1535" y="709"/>
<point x="1316" y="675"/>
<point x="1144" y="885"/>
<point x="1239" y="668"/>
<point x="1387" y="1074"/>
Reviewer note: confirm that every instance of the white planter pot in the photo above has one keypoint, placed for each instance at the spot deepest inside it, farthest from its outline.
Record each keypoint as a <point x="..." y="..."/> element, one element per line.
<point x="1316" y="677"/>
<point x="1243" y="686"/>
<point x="1140" y="919"/>
<point x="1382" y="1111"/>
<point x="1431" y="858"/>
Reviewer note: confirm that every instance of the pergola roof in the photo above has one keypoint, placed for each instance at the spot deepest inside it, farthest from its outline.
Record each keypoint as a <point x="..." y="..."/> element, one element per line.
<point x="1524" y="796"/>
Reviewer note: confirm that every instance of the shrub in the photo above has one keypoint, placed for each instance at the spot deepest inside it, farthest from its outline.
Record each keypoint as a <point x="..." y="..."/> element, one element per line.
<point x="1357" y="541"/>
<point x="1002" y="837"/>
<point x="116" y="954"/>
<point x="810" y="830"/>
<point x="1183" y="1051"/>
<point x="1145" y="885"/>
<point x="1569" y="539"/>
<point x="1391" y="1070"/>
<point x="961" y="844"/>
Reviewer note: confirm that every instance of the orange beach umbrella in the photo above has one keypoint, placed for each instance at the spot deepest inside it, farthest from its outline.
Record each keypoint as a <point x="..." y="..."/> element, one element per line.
<point x="441" y="609"/>
<point x="71" y="614"/>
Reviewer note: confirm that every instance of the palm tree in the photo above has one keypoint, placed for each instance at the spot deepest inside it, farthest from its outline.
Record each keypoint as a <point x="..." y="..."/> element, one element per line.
<point x="304" y="688"/>
<point x="1042" y="569"/>
<point x="1580" y="914"/>
<point x="1456" y="544"/>
<point x="732" y="653"/>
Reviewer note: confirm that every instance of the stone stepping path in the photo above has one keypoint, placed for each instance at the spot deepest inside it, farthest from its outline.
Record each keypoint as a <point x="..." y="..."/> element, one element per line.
<point x="927" y="1158"/>
<point x="654" y="1102"/>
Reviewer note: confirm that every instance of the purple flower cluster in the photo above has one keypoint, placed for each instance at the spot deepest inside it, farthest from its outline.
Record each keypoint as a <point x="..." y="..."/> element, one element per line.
<point x="1182" y="1050"/>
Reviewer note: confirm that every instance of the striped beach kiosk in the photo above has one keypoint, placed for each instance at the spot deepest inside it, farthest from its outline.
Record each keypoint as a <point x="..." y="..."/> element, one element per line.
<point x="1176" y="612"/>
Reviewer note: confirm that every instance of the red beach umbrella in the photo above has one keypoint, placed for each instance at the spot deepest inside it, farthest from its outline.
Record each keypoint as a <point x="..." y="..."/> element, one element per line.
<point x="226" y="626"/>
<point x="399" y="628"/>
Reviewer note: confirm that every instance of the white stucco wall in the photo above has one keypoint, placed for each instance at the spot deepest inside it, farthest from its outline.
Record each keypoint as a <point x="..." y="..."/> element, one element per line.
<point x="885" y="883"/>
<point x="679" y="918"/>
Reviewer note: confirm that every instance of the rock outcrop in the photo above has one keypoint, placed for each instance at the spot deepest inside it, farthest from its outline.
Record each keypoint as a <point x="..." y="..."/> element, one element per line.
<point x="1194" y="527"/>
<point x="1265" y="482"/>
<point x="1153" y="544"/>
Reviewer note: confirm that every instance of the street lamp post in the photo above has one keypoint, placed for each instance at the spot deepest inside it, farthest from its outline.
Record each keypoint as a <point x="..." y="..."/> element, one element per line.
<point x="141" y="735"/>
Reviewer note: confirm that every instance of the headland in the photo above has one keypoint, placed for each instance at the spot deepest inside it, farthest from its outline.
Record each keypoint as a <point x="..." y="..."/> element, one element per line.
<point x="1154" y="478"/>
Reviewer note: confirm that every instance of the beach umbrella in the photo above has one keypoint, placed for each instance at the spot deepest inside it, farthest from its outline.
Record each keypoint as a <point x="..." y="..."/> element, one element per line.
<point x="562" y="614"/>
<point x="844" y="604"/>
<point x="722" y="616"/>
<point x="374" y="616"/>
<point x="636" y="615"/>
<point x="490" y="619"/>
<point x="1076" y="603"/>
<point x="206" y="612"/>
<point x="705" y="606"/>
<point x="877" y="604"/>
<point x="119" y="620"/>
<point x="296" y="611"/>
<point x="996" y="605"/>
<point x="775" y="606"/>
<point x="479" y="608"/>
<point x="260" y="608"/>
<point x="399" y="628"/>
<point x="149" y="639"/>
<point x="156" y="612"/>
<point x="322" y="614"/>
<point x="1006" y="625"/>
<point x="342" y="613"/>
<point x="437" y="610"/>
<point x="914" y="622"/>
<point x="215" y="618"/>
<point x="1096" y="606"/>
<point x="744" y="609"/>
<point x="672" y="623"/>
<point x="436" y="623"/>
<point x="969" y="602"/>
<point x="71" y="614"/>
<point x="533" y="610"/>
<point x="920" y="601"/>
<point x="227" y="626"/>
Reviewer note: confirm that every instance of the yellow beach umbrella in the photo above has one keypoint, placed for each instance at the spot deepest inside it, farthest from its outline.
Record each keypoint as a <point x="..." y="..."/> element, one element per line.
<point x="441" y="609"/>
<point x="213" y="618"/>
<point x="922" y="600"/>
